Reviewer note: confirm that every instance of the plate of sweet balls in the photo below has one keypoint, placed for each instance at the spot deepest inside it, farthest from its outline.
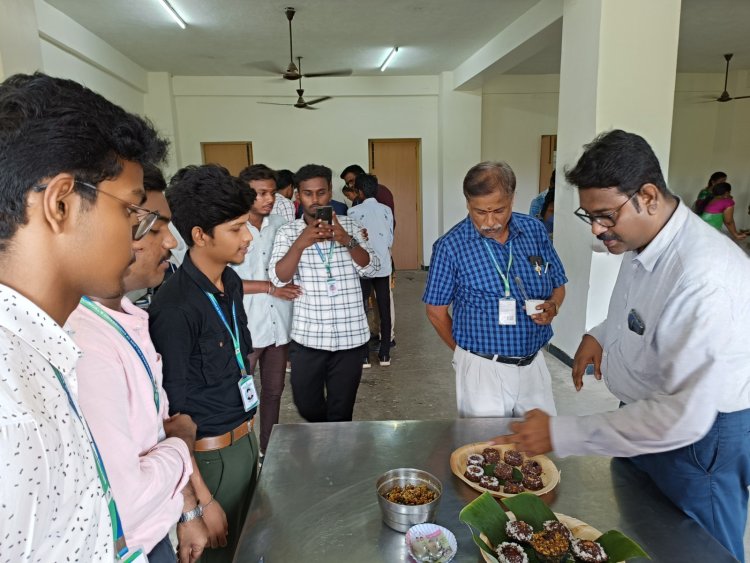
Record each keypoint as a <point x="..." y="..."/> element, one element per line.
<point x="503" y="471"/>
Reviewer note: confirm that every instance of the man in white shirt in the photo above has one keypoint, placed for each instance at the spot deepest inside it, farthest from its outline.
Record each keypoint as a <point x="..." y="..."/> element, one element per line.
<point x="378" y="220"/>
<point x="329" y="327"/>
<point x="71" y="187"/>
<point x="673" y="348"/>
<point x="269" y="308"/>
<point x="282" y="204"/>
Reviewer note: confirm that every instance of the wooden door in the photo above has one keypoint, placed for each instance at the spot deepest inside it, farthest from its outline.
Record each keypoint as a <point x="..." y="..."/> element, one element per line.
<point x="396" y="163"/>
<point x="547" y="158"/>
<point x="232" y="156"/>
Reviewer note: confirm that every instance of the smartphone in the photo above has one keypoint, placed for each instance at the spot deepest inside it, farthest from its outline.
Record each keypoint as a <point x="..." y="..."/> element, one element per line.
<point x="325" y="213"/>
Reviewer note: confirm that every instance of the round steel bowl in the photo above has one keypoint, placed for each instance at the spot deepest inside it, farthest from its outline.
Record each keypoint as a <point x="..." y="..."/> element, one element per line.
<point x="401" y="517"/>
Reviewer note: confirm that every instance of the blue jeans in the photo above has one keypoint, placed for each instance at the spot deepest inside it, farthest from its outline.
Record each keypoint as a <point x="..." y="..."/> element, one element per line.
<point x="708" y="480"/>
<point x="163" y="552"/>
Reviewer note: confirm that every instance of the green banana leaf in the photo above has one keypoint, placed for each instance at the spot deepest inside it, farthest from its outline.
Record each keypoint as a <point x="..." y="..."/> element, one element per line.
<point x="531" y="509"/>
<point x="620" y="547"/>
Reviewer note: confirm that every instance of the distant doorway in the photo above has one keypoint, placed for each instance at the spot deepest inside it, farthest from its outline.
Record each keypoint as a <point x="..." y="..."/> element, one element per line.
<point x="547" y="158"/>
<point x="232" y="156"/>
<point x="396" y="163"/>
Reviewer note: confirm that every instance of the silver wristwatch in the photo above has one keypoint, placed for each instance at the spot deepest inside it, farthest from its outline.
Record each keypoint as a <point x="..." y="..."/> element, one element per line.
<point x="353" y="243"/>
<point x="197" y="512"/>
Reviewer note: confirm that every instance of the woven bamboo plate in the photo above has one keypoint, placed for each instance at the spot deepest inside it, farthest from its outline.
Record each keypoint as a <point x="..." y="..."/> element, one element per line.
<point x="550" y="473"/>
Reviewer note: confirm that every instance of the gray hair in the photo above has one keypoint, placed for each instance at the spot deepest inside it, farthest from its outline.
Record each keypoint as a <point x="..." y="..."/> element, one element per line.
<point x="487" y="177"/>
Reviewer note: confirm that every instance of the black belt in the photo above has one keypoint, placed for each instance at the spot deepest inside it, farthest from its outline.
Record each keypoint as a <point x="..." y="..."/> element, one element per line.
<point x="507" y="360"/>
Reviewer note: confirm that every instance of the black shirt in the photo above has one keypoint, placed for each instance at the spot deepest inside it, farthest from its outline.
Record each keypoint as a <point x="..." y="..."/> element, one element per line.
<point x="200" y="369"/>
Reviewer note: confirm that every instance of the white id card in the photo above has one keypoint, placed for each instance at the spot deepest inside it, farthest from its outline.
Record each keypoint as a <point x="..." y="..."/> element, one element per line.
<point x="248" y="393"/>
<point x="332" y="286"/>
<point x="507" y="312"/>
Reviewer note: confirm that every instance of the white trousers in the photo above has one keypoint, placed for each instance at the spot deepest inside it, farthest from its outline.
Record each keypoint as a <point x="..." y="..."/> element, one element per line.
<point x="485" y="388"/>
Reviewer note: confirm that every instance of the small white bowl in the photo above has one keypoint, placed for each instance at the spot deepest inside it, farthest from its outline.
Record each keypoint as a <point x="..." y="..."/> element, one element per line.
<point x="426" y="530"/>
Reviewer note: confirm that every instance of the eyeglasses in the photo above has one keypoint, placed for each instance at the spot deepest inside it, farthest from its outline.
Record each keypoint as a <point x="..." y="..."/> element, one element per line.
<point x="607" y="220"/>
<point x="146" y="217"/>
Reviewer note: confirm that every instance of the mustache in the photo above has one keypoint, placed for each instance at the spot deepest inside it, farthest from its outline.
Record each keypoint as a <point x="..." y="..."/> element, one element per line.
<point x="608" y="236"/>
<point x="492" y="228"/>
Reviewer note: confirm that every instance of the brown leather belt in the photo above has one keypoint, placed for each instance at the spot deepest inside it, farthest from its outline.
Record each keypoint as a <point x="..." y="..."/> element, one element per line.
<point x="218" y="442"/>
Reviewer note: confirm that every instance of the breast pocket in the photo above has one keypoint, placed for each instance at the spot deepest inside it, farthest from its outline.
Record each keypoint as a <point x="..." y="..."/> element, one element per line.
<point x="217" y="355"/>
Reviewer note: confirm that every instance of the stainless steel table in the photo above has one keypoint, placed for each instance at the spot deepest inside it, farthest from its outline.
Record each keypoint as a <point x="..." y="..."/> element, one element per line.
<point x="315" y="501"/>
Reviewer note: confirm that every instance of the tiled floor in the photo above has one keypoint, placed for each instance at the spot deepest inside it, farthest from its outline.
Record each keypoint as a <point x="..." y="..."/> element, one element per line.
<point x="419" y="384"/>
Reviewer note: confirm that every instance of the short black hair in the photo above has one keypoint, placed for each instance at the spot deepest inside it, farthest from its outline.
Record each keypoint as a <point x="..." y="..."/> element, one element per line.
<point x="716" y="175"/>
<point x="153" y="179"/>
<point x="206" y="196"/>
<point x="257" y="172"/>
<point x="617" y="159"/>
<point x="355" y="169"/>
<point x="721" y="188"/>
<point x="487" y="177"/>
<point x="309" y="171"/>
<point x="346" y="189"/>
<point x="51" y="125"/>
<point x="368" y="184"/>
<point x="284" y="178"/>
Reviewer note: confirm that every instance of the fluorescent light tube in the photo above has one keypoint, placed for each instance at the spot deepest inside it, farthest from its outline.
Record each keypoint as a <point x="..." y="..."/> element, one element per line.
<point x="173" y="13"/>
<point x="388" y="59"/>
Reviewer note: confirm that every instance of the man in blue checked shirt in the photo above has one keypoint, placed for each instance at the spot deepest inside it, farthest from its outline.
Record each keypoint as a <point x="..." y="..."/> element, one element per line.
<point x="492" y="267"/>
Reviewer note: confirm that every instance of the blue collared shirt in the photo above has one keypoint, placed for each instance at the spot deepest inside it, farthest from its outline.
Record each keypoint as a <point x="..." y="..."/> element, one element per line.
<point x="462" y="273"/>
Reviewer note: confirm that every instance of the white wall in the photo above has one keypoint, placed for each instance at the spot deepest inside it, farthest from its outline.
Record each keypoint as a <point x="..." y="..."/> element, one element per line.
<point x="210" y="109"/>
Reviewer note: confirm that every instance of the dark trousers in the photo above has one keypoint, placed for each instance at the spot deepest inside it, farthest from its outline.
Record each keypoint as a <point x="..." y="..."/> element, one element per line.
<point x="383" y="298"/>
<point x="163" y="552"/>
<point x="272" y="361"/>
<point x="230" y="474"/>
<point x="324" y="383"/>
<point x="708" y="480"/>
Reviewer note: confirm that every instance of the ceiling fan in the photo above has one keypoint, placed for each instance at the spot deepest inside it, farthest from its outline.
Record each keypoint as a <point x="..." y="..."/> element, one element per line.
<point x="725" y="97"/>
<point x="293" y="72"/>
<point x="300" y="103"/>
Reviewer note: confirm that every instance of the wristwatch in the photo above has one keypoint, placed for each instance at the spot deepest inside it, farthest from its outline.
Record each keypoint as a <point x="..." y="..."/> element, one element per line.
<point x="353" y="243"/>
<point x="197" y="512"/>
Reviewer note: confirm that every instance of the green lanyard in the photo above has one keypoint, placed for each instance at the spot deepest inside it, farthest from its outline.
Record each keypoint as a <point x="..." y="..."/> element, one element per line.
<point x="235" y="336"/>
<point x="96" y="309"/>
<point x="326" y="262"/>
<point x="505" y="276"/>
<point x="118" y="537"/>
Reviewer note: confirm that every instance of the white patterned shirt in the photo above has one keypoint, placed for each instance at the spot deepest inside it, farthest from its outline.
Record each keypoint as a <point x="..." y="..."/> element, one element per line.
<point x="688" y="358"/>
<point x="283" y="207"/>
<point x="52" y="502"/>
<point x="378" y="220"/>
<point x="269" y="319"/>
<point x="320" y="321"/>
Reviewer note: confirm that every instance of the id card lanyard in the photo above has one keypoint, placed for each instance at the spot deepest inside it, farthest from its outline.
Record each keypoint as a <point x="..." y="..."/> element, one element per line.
<point x="101" y="313"/>
<point x="246" y="384"/>
<point x="331" y="286"/>
<point x="506" y="314"/>
<point x="121" y="549"/>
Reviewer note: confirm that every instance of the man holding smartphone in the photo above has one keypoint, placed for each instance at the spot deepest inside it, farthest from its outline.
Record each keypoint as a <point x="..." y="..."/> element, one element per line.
<point x="325" y="255"/>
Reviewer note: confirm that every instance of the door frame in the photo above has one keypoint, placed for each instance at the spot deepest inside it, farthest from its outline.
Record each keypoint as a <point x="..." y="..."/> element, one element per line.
<point x="420" y="219"/>
<point x="248" y="145"/>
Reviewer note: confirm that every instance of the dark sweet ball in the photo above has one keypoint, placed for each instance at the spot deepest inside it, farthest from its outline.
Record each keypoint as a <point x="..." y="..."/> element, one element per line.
<point x="475" y="459"/>
<point x="474" y="473"/>
<point x="586" y="551"/>
<point x="519" y="531"/>
<point x="531" y="467"/>
<point x="508" y="552"/>
<point x="556" y="526"/>
<point x="533" y="482"/>
<point x="491" y="455"/>
<point x="513" y="487"/>
<point x="504" y="471"/>
<point x="490" y="483"/>
<point x="513" y="457"/>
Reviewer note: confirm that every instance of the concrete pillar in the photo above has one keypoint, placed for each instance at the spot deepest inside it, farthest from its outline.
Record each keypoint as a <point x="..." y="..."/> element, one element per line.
<point x="617" y="71"/>
<point x="460" y="147"/>
<point x="19" y="38"/>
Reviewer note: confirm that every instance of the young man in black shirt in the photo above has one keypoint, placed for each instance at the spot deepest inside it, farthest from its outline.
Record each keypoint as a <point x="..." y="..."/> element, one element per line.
<point x="199" y="326"/>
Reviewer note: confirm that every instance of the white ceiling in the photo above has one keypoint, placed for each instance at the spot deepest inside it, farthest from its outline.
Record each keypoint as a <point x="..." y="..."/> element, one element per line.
<point x="240" y="37"/>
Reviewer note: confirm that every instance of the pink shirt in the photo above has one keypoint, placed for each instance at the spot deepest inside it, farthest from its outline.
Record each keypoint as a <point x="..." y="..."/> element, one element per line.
<point x="146" y="471"/>
<point x="719" y="205"/>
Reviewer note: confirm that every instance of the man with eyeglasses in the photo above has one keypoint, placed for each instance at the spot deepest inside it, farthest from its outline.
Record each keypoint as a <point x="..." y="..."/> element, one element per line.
<point x="673" y="348"/>
<point x="71" y="185"/>
<point x="490" y="267"/>
<point x="146" y="452"/>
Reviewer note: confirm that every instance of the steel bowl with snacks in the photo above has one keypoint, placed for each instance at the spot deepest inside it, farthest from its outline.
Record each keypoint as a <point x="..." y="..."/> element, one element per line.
<point x="415" y="497"/>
